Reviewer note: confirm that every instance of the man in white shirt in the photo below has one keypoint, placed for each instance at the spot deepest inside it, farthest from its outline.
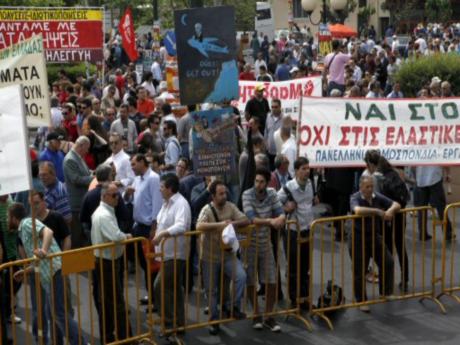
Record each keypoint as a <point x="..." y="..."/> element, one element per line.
<point x="272" y="124"/>
<point x="174" y="219"/>
<point x="156" y="70"/>
<point x="289" y="146"/>
<point x="259" y="62"/>
<point x="108" y="262"/>
<point x="125" y="175"/>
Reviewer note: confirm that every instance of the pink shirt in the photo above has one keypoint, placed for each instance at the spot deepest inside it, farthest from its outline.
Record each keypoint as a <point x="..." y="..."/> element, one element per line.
<point x="337" y="67"/>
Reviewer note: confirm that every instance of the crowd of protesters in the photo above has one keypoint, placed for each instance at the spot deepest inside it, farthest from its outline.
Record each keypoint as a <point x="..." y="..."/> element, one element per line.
<point x="115" y="164"/>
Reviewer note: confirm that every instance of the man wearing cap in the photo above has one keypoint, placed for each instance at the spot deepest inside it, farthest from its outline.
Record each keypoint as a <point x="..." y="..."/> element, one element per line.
<point x="213" y="219"/>
<point x="258" y="107"/>
<point x="52" y="153"/>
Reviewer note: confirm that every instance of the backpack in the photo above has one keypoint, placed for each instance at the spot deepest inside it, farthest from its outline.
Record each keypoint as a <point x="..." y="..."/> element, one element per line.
<point x="393" y="187"/>
<point x="333" y="296"/>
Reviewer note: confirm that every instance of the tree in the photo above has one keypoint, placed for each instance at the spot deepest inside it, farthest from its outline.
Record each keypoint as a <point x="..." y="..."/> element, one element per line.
<point x="365" y="14"/>
<point x="438" y="10"/>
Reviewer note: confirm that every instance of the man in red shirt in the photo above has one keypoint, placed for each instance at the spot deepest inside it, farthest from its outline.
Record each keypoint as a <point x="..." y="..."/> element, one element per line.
<point x="145" y="105"/>
<point x="70" y="121"/>
<point x="247" y="74"/>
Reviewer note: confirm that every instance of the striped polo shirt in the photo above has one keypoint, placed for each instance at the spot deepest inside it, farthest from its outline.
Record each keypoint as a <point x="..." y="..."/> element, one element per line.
<point x="269" y="207"/>
<point x="57" y="199"/>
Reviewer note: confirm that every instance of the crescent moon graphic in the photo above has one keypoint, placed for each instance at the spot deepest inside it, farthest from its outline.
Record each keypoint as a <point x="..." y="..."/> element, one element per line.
<point x="182" y="19"/>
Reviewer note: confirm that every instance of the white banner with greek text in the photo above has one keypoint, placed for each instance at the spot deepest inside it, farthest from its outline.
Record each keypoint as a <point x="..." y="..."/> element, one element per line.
<point x="14" y="151"/>
<point x="24" y="63"/>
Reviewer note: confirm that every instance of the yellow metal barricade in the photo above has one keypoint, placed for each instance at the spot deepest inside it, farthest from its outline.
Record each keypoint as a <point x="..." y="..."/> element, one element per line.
<point x="210" y="297"/>
<point x="342" y="275"/>
<point x="87" y="300"/>
<point x="450" y="276"/>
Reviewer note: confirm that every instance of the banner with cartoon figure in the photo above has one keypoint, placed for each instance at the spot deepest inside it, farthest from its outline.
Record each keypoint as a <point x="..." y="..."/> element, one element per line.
<point x="213" y="142"/>
<point x="206" y="53"/>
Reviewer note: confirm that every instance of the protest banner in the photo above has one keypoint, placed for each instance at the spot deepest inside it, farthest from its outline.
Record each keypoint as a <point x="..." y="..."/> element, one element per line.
<point x="14" y="150"/>
<point x="289" y="92"/>
<point x="206" y="54"/>
<point x="69" y="34"/>
<point x="337" y="132"/>
<point x="213" y="142"/>
<point x="24" y="63"/>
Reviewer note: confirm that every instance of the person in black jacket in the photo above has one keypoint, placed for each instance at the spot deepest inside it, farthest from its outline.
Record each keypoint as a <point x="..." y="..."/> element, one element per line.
<point x="393" y="187"/>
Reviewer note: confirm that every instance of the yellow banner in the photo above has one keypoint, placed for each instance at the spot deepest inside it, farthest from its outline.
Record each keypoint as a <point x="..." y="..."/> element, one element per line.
<point x="49" y="14"/>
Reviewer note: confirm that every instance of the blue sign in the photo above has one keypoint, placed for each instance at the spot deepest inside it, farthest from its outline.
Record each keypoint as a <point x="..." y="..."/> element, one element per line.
<point x="170" y="43"/>
<point x="206" y="54"/>
<point x="213" y="135"/>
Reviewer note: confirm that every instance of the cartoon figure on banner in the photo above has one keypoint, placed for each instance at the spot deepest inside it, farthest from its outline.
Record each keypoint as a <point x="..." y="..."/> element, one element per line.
<point x="205" y="45"/>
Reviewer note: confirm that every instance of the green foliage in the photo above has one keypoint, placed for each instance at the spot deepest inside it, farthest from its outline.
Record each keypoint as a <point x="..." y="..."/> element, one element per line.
<point x="438" y="10"/>
<point x="415" y="73"/>
<point x="72" y="71"/>
<point x="366" y="12"/>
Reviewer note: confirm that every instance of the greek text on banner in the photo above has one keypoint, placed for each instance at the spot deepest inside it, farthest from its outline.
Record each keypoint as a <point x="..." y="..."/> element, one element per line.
<point x="24" y="64"/>
<point x="69" y="34"/>
<point x="338" y="132"/>
<point x="289" y="92"/>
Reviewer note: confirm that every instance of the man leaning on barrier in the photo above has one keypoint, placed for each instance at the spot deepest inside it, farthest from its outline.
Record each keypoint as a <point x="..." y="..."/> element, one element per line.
<point x="298" y="198"/>
<point x="264" y="209"/>
<point x="50" y="275"/>
<point x="367" y="239"/>
<point x="213" y="219"/>
<point x="174" y="219"/>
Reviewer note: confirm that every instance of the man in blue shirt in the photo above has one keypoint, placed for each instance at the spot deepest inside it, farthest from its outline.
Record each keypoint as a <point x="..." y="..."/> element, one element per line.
<point x="282" y="71"/>
<point x="52" y="153"/>
<point x="367" y="241"/>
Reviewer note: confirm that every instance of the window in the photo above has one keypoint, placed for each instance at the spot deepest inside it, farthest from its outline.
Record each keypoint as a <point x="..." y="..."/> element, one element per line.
<point x="297" y="10"/>
<point x="362" y="3"/>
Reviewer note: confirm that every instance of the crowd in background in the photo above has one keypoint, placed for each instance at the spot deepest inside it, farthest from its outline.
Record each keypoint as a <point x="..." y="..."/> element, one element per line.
<point x="121" y="136"/>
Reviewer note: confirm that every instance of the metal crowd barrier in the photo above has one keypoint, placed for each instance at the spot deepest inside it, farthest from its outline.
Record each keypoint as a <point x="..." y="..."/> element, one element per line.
<point x="187" y="303"/>
<point x="450" y="276"/>
<point x="88" y="303"/>
<point x="411" y="261"/>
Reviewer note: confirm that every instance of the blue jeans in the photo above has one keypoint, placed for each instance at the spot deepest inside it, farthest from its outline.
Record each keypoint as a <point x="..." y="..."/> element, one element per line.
<point x="233" y="270"/>
<point x="61" y="317"/>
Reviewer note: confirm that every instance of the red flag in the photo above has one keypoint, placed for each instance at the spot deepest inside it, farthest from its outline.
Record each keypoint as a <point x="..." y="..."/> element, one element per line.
<point x="126" y="28"/>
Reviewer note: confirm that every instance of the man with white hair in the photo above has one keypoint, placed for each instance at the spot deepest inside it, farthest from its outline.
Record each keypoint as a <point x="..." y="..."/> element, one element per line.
<point x="77" y="178"/>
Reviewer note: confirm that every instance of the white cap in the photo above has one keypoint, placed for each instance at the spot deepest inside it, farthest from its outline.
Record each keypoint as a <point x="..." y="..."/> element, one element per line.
<point x="229" y="238"/>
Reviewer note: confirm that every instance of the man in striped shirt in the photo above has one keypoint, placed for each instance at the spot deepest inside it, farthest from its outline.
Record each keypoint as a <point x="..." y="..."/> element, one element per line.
<point x="56" y="196"/>
<point x="263" y="207"/>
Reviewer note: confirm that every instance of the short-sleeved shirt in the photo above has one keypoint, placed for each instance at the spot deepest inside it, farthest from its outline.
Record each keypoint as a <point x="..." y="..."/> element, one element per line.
<point x="57" y="199"/>
<point x="337" y="67"/>
<point x="427" y="176"/>
<point x="378" y="201"/>
<point x="26" y="236"/>
<point x="56" y="222"/>
<point x="269" y="207"/>
<point x="213" y="239"/>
